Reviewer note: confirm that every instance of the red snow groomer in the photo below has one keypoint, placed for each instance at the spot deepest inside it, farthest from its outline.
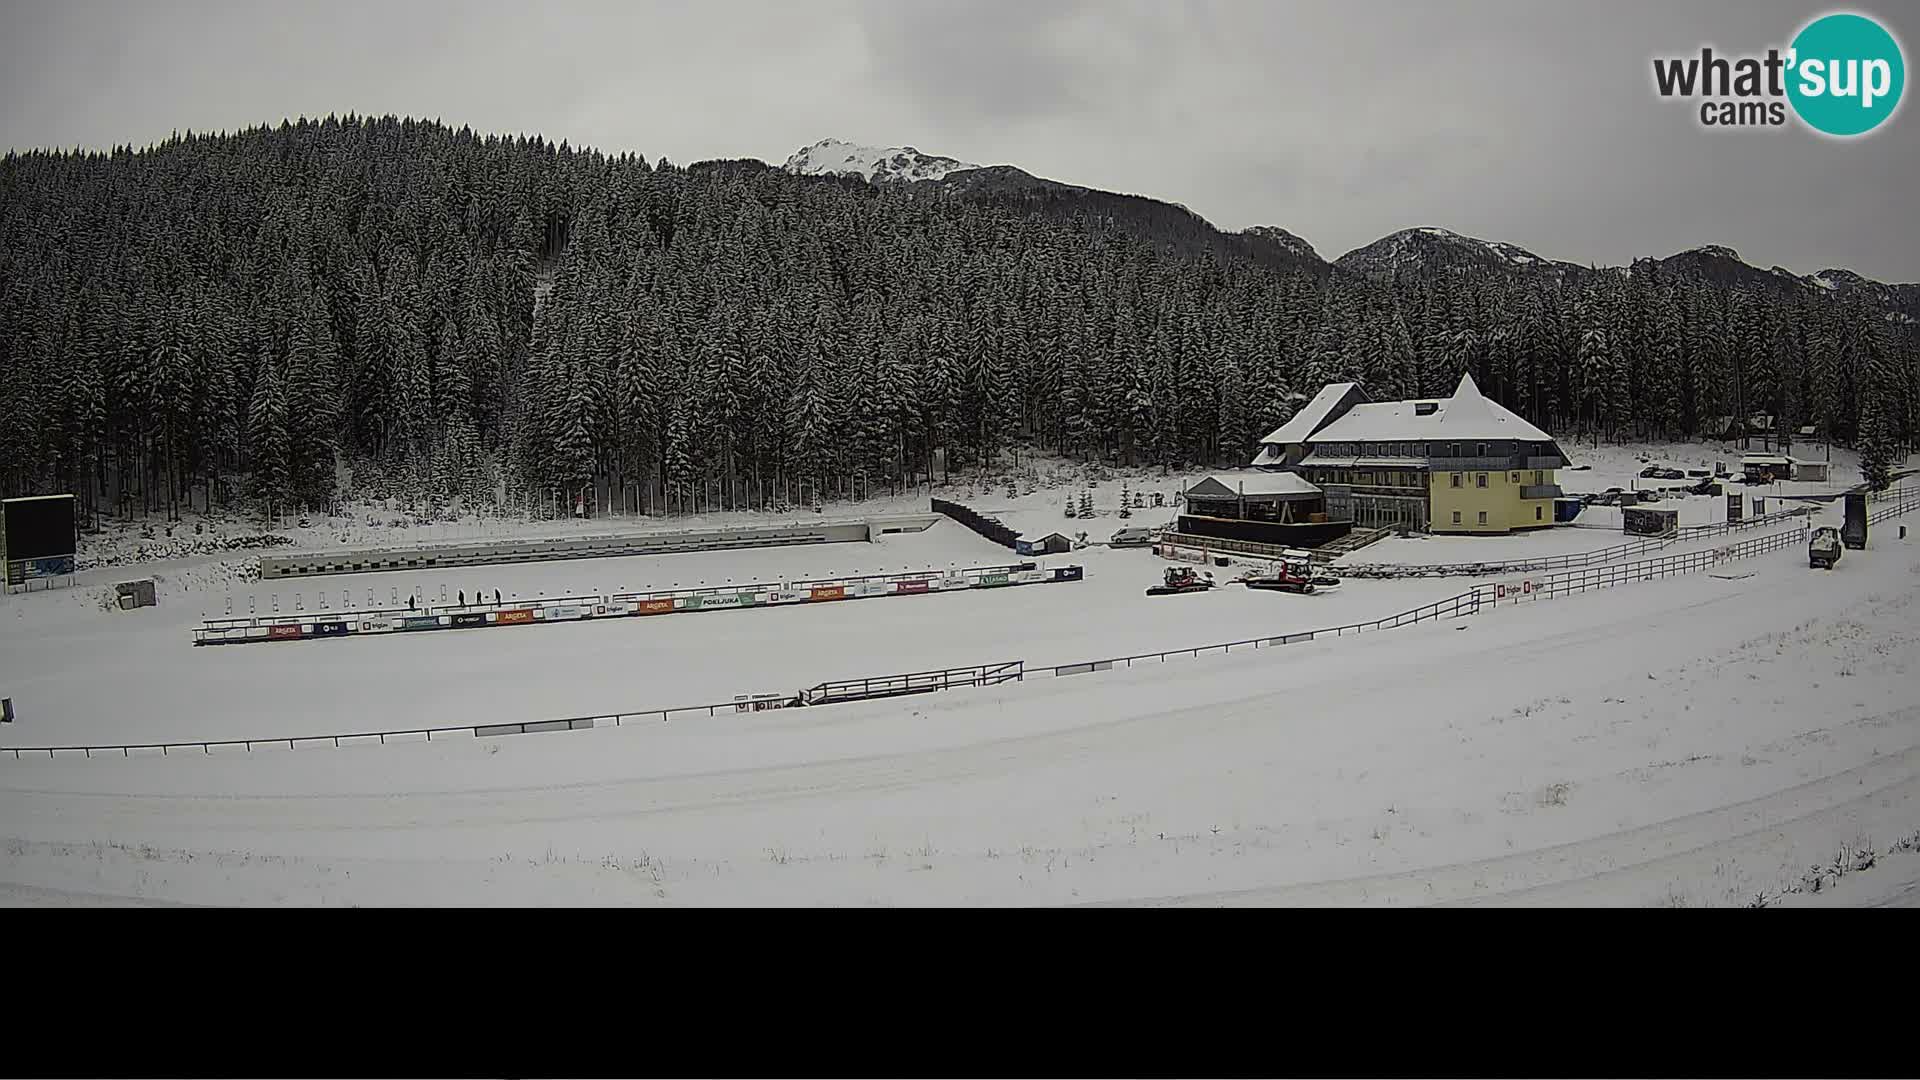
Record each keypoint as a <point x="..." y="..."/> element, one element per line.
<point x="1181" y="579"/>
<point x="1286" y="576"/>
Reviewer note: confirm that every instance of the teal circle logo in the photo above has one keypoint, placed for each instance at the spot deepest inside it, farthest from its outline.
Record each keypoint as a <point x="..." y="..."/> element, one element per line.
<point x="1846" y="74"/>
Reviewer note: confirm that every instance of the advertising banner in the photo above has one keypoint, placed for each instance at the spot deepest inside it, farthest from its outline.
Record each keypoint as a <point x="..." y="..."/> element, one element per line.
<point x="831" y="592"/>
<point x="910" y="586"/>
<point x="283" y="632"/>
<point x="517" y="615"/>
<point x="470" y="618"/>
<point x="654" y="607"/>
<point x="329" y="629"/>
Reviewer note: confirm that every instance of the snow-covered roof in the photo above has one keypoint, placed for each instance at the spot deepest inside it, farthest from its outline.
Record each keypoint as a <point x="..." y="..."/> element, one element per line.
<point x="1302" y="426"/>
<point x="1465" y="415"/>
<point x="1254" y="485"/>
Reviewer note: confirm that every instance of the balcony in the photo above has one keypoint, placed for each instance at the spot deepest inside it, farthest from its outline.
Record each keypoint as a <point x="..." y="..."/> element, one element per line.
<point x="1472" y="464"/>
<point x="1540" y="491"/>
<point x="1546" y="463"/>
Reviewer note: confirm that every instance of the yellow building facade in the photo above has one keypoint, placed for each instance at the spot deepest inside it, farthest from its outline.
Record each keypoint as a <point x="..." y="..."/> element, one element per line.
<point x="1491" y="501"/>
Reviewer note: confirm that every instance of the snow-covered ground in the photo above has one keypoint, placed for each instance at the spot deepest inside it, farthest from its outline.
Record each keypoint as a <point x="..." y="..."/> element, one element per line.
<point x="1701" y="740"/>
<point x="162" y="688"/>
<point x="1692" y="741"/>
<point x="1619" y="464"/>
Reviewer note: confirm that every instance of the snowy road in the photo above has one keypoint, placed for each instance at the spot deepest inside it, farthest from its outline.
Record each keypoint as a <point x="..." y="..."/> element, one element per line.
<point x="1687" y="742"/>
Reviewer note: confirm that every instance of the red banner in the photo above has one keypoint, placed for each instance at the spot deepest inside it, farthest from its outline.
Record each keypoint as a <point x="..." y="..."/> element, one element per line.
<point x="656" y="607"/>
<point x="283" y="632"/>
<point x="909" y="586"/>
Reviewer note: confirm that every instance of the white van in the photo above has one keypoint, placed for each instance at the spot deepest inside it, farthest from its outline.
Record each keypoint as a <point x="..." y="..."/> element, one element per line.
<point x="1133" y="536"/>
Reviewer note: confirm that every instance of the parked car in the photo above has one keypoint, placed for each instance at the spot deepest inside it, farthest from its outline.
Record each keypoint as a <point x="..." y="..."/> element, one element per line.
<point x="1132" y="536"/>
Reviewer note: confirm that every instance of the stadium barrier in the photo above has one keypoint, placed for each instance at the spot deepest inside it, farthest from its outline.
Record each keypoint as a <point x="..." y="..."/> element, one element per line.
<point x="300" y="626"/>
<point x="988" y="527"/>
<point x="497" y="552"/>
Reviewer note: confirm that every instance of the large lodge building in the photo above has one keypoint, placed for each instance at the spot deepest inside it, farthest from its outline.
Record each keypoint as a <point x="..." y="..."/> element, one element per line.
<point x="1461" y="464"/>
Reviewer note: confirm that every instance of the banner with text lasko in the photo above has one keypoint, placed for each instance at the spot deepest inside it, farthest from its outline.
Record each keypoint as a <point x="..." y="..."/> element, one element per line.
<point x="1841" y="75"/>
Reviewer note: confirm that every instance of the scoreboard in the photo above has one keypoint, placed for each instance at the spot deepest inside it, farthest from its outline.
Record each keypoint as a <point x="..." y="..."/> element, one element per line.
<point x="38" y="537"/>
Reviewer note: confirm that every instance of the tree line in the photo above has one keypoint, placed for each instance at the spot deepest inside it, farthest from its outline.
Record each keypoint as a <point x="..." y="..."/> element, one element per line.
<point x="243" y="319"/>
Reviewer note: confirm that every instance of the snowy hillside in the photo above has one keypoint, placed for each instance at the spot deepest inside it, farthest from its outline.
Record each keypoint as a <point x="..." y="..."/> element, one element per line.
<point x="831" y="157"/>
<point x="1282" y="237"/>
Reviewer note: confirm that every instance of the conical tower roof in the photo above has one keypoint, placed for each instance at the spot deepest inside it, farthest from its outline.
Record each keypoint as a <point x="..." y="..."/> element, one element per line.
<point x="1467" y="411"/>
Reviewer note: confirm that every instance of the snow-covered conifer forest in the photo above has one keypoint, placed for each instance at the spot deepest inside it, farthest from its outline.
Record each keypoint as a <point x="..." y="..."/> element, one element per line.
<point x="231" y="320"/>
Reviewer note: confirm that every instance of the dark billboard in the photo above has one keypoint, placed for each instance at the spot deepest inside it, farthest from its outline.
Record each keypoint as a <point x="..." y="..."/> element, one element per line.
<point x="38" y="528"/>
<point x="38" y="537"/>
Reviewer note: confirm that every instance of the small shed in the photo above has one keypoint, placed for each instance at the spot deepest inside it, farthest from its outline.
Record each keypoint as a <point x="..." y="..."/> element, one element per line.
<point x="1767" y="467"/>
<point x="1649" y="520"/>
<point x="134" y="594"/>
<point x="1052" y="543"/>
<point x="1818" y="472"/>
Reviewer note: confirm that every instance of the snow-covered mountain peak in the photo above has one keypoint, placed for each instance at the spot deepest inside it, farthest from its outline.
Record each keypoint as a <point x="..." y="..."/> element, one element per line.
<point x="1285" y="239"/>
<point x="1720" y="251"/>
<point x="1427" y="246"/>
<point x="831" y="157"/>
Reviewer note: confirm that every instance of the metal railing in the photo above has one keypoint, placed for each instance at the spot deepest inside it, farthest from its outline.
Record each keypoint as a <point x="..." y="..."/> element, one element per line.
<point x="1236" y="547"/>
<point x="837" y="691"/>
<point x="1578" y="581"/>
<point x="1909" y="501"/>
<point x="1466" y="603"/>
<point x="207" y="746"/>
<point x="1573" y="561"/>
<point x="834" y="692"/>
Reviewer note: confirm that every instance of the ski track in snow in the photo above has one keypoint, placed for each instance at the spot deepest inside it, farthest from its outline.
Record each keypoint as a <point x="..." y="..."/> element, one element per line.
<point x="1693" y="741"/>
<point x="1528" y="758"/>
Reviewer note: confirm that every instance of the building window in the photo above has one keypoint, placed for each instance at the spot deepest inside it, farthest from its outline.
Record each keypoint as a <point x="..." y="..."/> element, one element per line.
<point x="1483" y="451"/>
<point x="1456" y="517"/>
<point x="1536" y="476"/>
<point x="1536" y="513"/>
<point x="1483" y="517"/>
<point x="1456" y="478"/>
<point x="1480" y="480"/>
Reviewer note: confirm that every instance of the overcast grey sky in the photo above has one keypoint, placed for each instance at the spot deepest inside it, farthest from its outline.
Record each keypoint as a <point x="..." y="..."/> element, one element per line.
<point x="1531" y="121"/>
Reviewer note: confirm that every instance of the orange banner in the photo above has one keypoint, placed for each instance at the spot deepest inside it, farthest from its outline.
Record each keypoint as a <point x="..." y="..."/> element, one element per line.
<point x="836" y="592"/>
<point x="516" y="616"/>
<point x="656" y="607"/>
